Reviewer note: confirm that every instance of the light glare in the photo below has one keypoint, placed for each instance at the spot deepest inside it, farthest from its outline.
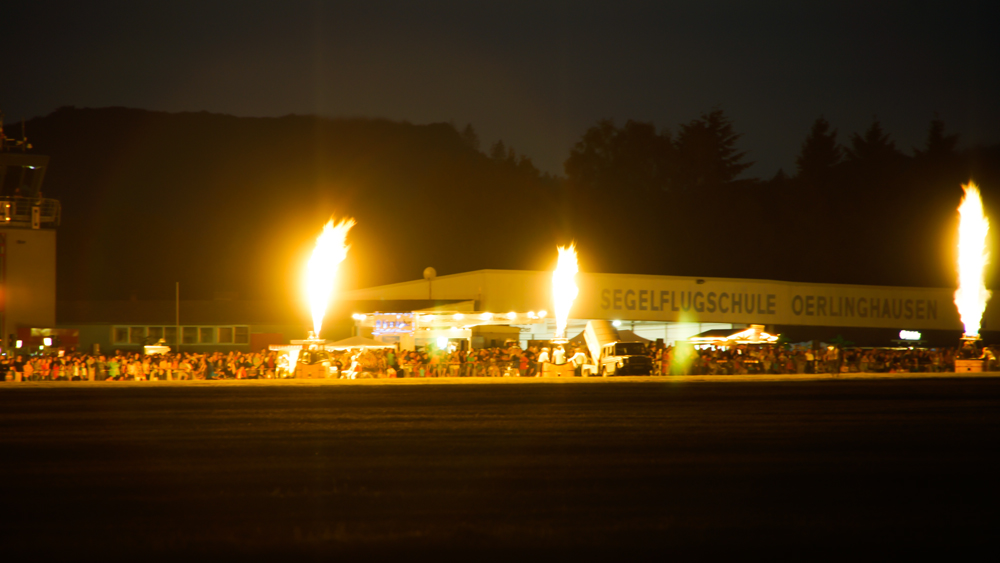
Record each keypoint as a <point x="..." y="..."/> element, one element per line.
<point x="321" y="271"/>
<point x="972" y="295"/>
<point x="564" y="289"/>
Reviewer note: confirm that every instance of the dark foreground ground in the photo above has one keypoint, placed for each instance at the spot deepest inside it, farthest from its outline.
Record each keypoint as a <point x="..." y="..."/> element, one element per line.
<point x="803" y="470"/>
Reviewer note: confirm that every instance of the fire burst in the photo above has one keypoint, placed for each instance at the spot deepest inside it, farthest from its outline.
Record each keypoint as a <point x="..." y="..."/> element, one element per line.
<point x="321" y="271"/>
<point x="972" y="295"/>
<point x="564" y="289"/>
<point x="293" y="360"/>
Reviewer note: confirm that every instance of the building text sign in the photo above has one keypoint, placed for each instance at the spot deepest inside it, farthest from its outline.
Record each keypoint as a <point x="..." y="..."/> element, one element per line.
<point x="660" y="298"/>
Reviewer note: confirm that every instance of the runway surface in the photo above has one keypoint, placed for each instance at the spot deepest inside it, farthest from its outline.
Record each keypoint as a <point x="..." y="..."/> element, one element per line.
<point x="592" y="470"/>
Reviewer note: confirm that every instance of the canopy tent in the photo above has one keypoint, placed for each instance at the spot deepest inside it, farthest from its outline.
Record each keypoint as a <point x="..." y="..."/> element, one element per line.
<point x="730" y="336"/>
<point x="716" y="334"/>
<point x="357" y="342"/>
<point x="623" y="336"/>
<point x="629" y="336"/>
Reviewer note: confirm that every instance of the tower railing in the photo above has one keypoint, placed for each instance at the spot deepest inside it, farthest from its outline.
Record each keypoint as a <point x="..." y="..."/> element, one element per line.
<point x="18" y="211"/>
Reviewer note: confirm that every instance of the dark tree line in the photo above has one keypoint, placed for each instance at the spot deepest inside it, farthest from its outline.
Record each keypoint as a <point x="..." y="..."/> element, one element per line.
<point x="638" y="158"/>
<point x="228" y="202"/>
<point x="861" y="211"/>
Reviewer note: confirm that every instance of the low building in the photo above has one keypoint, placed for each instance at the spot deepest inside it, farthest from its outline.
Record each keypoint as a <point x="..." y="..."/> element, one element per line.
<point x="664" y="308"/>
<point x="202" y="325"/>
<point x="672" y="308"/>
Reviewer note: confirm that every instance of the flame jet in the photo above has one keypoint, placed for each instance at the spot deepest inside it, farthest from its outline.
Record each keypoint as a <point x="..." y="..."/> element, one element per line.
<point x="321" y="271"/>
<point x="564" y="289"/>
<point x="972" y="295"/>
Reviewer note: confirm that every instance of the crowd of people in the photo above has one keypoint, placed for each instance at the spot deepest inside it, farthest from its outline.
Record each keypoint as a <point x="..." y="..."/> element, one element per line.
<point x="511" y="361"/>
<point x="750" y="359"/>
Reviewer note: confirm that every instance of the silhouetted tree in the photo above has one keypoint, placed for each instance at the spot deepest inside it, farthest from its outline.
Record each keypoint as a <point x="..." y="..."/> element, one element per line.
<point x="644" y="158"/>
<point x="938" y="146"/>
<point x="632" y="158"/>
<point x="525" y="165"/>
<point x="509" y="158"/>
<point x="874" y="149"/>
<point x="591" y="160"/>
<point x="498" y="151"/>
<point x="470" y="136"/>
<point x="706" y="152"/>
<point x="937" y="171"/>
<point x="820" y="153"/>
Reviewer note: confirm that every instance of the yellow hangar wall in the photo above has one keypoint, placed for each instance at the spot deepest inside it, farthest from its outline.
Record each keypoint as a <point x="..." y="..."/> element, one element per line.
<point x="667" y="298"/>
<point x="707" y="300"/>
<point x="29" y="289"/>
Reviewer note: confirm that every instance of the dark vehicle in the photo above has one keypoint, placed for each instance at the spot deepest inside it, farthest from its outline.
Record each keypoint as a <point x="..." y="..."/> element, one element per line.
<point x="610" y="356"/>
<point x="625" y="358"/>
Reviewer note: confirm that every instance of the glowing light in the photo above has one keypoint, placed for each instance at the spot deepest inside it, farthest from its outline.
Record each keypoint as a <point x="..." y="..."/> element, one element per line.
<point x="909" y="335"/>
<point x="47" y="341"/>
<point x="486" y="316"/>
<point x="293" y="360"/>
<point x="564" y="289"/>
<point x="542" y="314"/>
<point x="616" y="323"/>
<point x="511" y="315"/>
<point x="750" y="335"/>
<point x="972" y="295"/>
<point x="442" y="342"/>
<point x="321" y="271"/>
<point x="358" y="317"/>
<point x="458" y="316"/>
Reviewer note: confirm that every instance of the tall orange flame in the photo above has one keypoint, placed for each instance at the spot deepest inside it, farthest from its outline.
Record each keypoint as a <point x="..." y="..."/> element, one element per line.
<point x="972" y="295"/>
<point x="321" y="271"/>
<point x="564" y="289"/>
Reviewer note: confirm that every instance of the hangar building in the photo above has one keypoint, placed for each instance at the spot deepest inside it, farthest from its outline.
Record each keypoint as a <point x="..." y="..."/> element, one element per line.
<point x="673" y="308"/>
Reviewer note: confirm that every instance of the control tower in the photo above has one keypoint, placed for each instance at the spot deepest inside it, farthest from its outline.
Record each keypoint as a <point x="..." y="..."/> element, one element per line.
<point x="28" y="223"/>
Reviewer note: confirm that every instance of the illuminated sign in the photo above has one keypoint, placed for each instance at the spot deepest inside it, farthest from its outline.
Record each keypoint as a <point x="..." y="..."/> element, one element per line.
<point x="909" y="335"/>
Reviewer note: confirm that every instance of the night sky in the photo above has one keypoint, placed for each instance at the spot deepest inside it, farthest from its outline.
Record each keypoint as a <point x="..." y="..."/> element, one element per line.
<point x="534" y="74"/>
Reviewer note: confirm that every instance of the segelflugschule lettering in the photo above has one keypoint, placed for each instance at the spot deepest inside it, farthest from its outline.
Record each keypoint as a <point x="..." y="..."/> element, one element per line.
<point x="767" y="304"/>
<point x="697" y="301"/>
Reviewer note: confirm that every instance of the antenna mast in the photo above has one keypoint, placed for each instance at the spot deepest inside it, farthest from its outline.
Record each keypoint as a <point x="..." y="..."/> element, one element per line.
<point x="7" y="143"/>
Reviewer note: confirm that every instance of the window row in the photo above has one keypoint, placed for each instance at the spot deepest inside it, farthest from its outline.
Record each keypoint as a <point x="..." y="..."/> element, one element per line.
<point x="189" y="334"/>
